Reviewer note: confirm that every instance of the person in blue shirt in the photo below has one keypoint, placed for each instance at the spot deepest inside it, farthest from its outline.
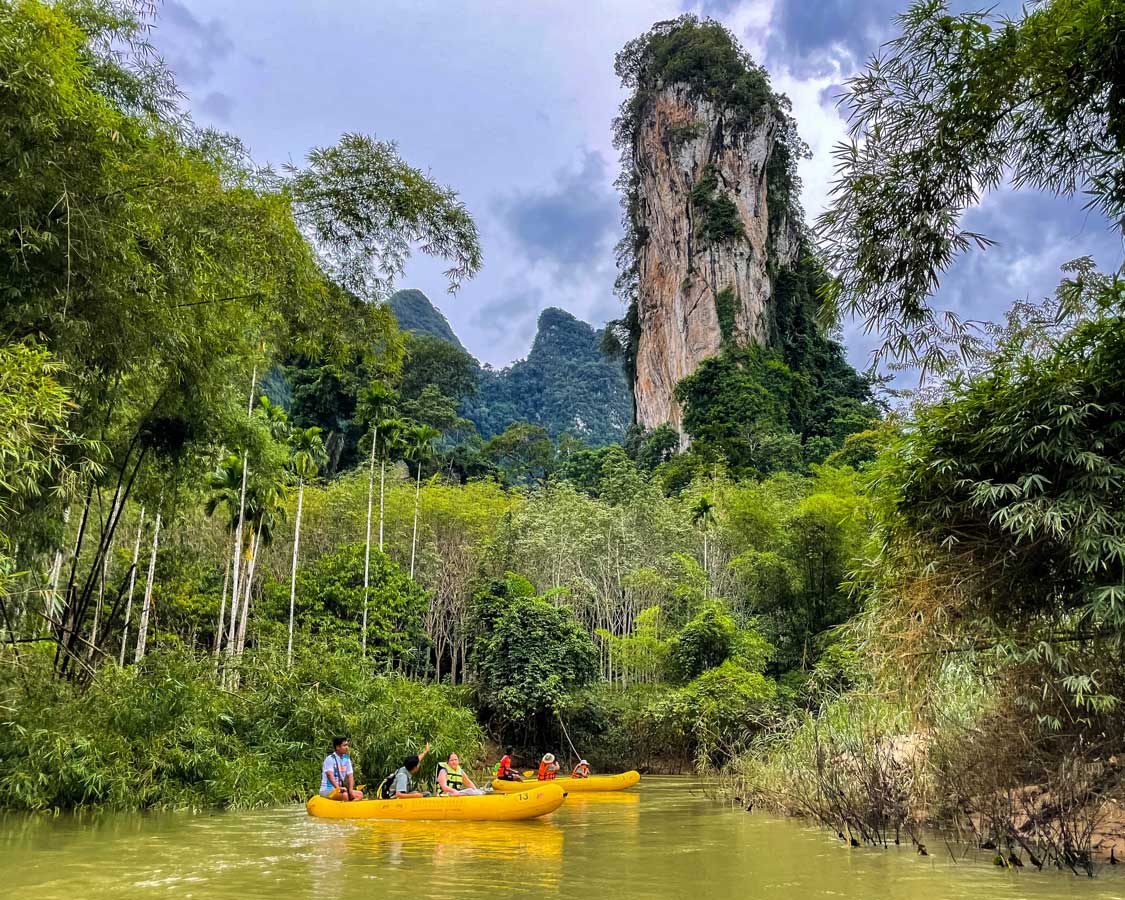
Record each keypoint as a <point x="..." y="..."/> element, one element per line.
<point x="337" y="777"/>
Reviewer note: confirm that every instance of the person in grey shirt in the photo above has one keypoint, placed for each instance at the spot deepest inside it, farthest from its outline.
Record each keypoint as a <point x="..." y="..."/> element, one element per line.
<point x="404" y="777"/>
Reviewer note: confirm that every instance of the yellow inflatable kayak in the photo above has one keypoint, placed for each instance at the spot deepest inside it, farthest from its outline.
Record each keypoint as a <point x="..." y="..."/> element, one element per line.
<point x="621" y="782"/>
<point x="532" y="801"/>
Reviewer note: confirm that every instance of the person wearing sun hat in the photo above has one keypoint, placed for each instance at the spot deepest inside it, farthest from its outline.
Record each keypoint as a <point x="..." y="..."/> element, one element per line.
<point x="582" y="770"/>
<point x="548" y="768"/>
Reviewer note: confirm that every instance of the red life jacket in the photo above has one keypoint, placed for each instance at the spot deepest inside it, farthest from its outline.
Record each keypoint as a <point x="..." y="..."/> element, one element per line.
<point x="580" y="771"/>
<point x="546" y="774"/>
<point x="505" y="767"/>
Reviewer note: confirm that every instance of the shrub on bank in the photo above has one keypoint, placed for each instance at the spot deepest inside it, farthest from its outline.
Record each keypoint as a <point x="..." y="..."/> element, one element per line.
<point x="166" y="734"/>
<point x="660" y="728"/>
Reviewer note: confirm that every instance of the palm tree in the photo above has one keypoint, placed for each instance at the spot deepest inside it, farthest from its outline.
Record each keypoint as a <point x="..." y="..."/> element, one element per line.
<point x="375" y="402"/>
<point x="703" y="514"/>
<point x="308" y="456"/>
<point x="419" y="447"/>
<point x="228" y="483"/>
<point x="275" y="418"/>
<point x="237" y="556"/>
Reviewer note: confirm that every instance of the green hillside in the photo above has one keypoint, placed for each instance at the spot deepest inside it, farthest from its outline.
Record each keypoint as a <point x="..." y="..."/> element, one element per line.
<point x="566" y="384"/>
<point x="416" y="314"/>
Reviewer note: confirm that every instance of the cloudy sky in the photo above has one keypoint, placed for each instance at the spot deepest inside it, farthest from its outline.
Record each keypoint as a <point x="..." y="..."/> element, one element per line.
<point x="510" y="102"/>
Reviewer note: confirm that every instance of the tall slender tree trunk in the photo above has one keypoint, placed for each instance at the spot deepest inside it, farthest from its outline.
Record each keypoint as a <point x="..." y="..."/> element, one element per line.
<point x="51" y="603"/>
<point x="414" y="539"/>
<point x="367" y="543"/>
<point x="293" y="576"/>
<point x="706" y="568"/>
<point x="104" y="576"/>
<point x="146" y="606"/>
<point x="255" y="543"/>
<point x="241" y="522"/>
<point x="237" y="558"/>
<point x="222" y="610"/>
<point x="100" y="605"/>
<point x="132" y="584"/>
<point x="382" y="481"/>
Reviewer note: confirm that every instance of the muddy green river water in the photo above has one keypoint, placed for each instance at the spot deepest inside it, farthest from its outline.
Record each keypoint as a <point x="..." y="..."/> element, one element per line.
<point x="661" y="840"/>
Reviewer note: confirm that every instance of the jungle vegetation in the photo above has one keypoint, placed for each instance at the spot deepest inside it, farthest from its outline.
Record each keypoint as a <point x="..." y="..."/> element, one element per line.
<point x="230" y="528"/>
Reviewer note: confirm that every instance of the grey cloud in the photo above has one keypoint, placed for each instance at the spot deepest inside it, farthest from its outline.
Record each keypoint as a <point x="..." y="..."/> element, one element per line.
<point x="511" y="317"/>
<point x="1035" y="234"/>
<point x="811" y="39"/>
<point x="715" y="7"/>
<point x="217" y="105"/>
<point x="805" y="28"/>
<point x="567" y="223"/>
<point x="191" y="47"/>
<point x="833" y="94"/>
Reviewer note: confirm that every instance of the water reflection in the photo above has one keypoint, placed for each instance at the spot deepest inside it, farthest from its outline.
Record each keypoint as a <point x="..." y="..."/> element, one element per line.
<point x="662" y="840"/>
<point x="465" y="841"/>
<point x="620" y="810"/>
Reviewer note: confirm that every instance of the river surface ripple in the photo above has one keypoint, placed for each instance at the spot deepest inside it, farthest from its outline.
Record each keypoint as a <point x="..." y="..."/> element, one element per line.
<point x="661" y="840"/>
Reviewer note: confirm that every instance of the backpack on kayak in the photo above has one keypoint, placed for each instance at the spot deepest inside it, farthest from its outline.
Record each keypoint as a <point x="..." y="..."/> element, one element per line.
<point x="386" y="790"/>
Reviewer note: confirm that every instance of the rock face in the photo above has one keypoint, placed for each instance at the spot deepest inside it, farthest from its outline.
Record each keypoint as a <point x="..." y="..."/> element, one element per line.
<point x="694" y="291"/>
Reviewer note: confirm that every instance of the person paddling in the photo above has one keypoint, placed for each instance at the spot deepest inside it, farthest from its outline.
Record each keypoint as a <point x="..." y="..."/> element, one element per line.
<point x="548" y="768"/>
<point x="504" y="771"/>
<point x="582" y="770"/>
<point x="452" y="780"/>
<point x="337" y="781"/>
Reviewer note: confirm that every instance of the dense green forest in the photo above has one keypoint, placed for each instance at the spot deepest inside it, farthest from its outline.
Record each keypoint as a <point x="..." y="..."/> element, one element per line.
<point x="230" y="527"/>
<point x="566" y="389"/>
<point x="566" y="384"/>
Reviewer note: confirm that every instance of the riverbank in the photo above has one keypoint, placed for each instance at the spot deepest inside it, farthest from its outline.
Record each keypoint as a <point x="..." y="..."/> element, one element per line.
<point x="180" y="731"/>
<point x="854" y="769"/>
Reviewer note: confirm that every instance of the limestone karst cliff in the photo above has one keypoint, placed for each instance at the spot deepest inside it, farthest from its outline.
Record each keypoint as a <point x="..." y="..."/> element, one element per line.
<point x="707" y="153"/>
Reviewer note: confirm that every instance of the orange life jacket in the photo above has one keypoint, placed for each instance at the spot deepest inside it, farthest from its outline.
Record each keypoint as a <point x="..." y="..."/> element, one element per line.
<point x="504" y="769"/>
<point x="547" y="771"/>
<point x="580" y="771"/>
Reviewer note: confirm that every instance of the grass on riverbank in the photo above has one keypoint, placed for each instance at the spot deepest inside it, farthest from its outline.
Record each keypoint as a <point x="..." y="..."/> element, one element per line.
<point x="876" y="773"/>
<point x="166" y="733"/>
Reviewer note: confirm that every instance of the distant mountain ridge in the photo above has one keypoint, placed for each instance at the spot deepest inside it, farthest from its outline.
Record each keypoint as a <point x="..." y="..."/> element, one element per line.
<point x="415" y="313"/>
<point x="566" y="384"/>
